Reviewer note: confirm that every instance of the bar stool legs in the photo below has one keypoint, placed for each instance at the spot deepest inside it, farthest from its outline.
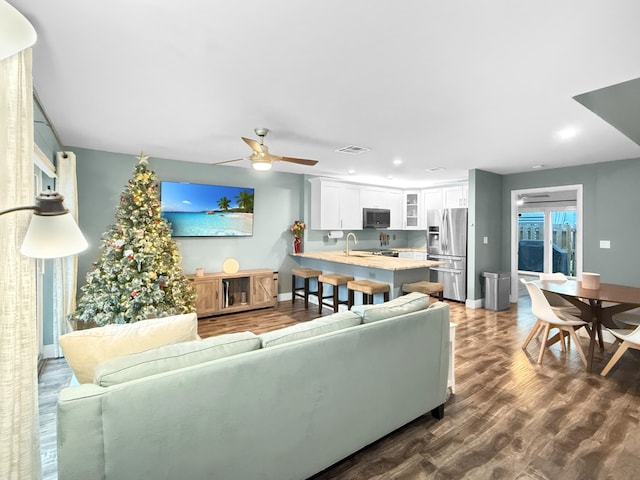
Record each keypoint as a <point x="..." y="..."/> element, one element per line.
<point x="335" y="280"/>
<point x="303" y="292"/>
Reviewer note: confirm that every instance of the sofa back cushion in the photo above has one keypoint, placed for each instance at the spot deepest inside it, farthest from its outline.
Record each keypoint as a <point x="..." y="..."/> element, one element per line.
<point x="398" y="306"/>
<point x="84" y="349"/>
<point x="172" y="357"/>
<point x="321" y="325"/>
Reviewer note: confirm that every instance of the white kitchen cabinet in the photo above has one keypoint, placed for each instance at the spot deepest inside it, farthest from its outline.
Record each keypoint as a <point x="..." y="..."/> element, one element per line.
<point x="395" y="205"/>
<point x="433" y="199"/>
<point x="335" y="205"/>
<point x="446" y="197"/>
<point x="413" y="214"/>
<point x="455" y="196"/>
<point x="413" y="254"/>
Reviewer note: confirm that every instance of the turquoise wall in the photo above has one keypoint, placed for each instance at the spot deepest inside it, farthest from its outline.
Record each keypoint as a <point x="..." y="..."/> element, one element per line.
<point x="611" y="198"/>
<point x="485" y="220"/>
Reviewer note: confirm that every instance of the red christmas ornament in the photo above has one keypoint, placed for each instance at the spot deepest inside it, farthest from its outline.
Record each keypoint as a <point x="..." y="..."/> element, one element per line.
<point x="134" y="293"/>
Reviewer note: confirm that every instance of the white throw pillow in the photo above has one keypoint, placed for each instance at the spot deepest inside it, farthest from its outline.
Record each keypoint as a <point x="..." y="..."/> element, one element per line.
<point x="84" y="349"/>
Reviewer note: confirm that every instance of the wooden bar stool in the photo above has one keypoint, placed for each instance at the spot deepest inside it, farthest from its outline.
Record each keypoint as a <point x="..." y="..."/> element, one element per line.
<point x="304" y="291"/>
<point x="435" y="289"/>
<point x="335" y="280"/>
<point x="368" y="290"/>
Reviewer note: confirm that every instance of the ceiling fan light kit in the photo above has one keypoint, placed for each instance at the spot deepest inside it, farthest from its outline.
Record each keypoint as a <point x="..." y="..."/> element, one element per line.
<point x="261" y="165"/>
<point x="261" y="159"/>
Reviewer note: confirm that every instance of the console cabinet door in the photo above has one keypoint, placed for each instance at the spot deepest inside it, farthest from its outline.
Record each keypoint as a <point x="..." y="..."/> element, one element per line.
<point x="207" y="295"/>
<point x="264" y="294"/>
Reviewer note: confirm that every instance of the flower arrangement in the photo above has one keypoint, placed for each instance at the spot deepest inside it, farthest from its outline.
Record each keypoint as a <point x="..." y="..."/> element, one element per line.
<point x="298" y="228"/>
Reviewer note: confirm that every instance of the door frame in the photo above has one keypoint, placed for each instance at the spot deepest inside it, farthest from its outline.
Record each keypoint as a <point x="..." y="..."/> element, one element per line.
<point x="514" y="229"/>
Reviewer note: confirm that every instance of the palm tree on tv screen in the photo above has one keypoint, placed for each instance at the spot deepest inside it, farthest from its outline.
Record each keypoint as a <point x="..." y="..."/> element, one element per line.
<point x="245" y="201"/>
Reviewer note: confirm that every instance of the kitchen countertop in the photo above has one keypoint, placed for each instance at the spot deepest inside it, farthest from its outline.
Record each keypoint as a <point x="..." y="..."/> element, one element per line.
<point x="369" y="260"/>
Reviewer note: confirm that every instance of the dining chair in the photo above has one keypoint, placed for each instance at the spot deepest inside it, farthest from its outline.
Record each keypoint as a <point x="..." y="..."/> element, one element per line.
<point x="629" y="339"/>
<point x="548" y="318"/>
<point x="630" y="317"/>
<point x="556" y="301"/>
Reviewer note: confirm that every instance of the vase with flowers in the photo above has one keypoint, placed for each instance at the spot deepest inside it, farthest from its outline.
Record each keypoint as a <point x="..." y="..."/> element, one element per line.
<point x="297" y="229"/>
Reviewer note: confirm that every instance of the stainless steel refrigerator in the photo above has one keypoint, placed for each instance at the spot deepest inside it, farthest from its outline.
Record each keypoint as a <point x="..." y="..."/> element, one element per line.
<point x="447" y="242"/>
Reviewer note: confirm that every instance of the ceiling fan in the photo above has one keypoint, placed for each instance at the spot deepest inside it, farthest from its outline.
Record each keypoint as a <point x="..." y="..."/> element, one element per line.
<point x="261" y="158"/>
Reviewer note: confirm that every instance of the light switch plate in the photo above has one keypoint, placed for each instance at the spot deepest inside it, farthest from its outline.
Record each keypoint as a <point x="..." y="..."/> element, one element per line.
<point x="485" y="240"/>
<point x="605" y="244"/>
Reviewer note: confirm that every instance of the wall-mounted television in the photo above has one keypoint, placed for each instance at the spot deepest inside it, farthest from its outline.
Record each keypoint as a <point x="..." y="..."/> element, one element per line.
<point x="199" y="210"/>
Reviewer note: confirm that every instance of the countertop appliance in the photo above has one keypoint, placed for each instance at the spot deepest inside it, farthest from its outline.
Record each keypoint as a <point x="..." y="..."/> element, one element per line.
<point x="447" y="242"/>
<point x="376" y="218"/>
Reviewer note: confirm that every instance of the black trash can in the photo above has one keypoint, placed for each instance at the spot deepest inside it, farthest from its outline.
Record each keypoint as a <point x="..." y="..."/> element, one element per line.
<point x="497" y="287"/>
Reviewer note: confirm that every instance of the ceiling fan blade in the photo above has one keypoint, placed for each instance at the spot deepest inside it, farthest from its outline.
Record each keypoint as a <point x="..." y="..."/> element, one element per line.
<point x="255" y="146"/>
<point x="229" y="161"/>
<point x="300" y="161"/>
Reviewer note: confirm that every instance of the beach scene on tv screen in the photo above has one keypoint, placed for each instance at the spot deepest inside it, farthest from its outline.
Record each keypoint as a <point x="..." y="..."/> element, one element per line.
<point x="198" y="210"/>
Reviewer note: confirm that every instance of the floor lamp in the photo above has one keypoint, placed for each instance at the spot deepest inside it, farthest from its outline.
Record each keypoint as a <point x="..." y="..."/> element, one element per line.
<point x="52" y="232"/>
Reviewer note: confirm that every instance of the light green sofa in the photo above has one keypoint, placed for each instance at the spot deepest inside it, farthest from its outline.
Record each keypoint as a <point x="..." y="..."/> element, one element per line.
<point x="298" y="401"/>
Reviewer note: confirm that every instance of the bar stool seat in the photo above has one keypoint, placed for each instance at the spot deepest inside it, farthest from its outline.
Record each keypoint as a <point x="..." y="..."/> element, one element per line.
<point x="335" y="280"/>
<point x="435" y="289"/>
<point x="304" y="291"/>
<point x="368" y="289"/>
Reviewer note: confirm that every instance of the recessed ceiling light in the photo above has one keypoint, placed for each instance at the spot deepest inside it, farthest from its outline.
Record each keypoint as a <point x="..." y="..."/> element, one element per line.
<point x="389" y="177"/>
<point x="351" y="171"/>
<point x="397" y="161"/>
<point x="535" y="167"/>
<point x="567" y="133"/>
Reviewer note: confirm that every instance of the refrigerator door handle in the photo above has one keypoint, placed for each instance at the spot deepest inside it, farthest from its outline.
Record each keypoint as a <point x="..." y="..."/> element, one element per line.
<point x="442" y="257"/>
<point x="447" y="270"/>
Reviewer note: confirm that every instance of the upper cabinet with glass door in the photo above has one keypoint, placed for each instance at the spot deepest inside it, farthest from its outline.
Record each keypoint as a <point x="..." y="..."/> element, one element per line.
<point x="413" y="210"/>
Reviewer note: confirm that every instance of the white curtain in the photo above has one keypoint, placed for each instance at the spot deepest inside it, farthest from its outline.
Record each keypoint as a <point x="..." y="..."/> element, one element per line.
<point x="19" y="435"/>
<point x="65" y="269"/>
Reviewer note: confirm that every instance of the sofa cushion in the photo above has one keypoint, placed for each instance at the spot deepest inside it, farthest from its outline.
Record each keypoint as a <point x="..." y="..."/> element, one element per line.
<point x="84" y="349"/>
<point x="321" y="325"/>
<point x="172" y="357"/>
<point x="398" y="306"/>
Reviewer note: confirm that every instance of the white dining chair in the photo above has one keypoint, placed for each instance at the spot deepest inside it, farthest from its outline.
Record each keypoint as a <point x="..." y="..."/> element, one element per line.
<point x="630" y="317"/>
<point x="629" y="339"/>
<point x="556" y="301"/>
<point x="548" y="318"/>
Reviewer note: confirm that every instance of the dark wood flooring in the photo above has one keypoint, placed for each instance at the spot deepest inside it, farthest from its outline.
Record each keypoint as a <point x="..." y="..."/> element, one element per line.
<point x="509" y="419"/>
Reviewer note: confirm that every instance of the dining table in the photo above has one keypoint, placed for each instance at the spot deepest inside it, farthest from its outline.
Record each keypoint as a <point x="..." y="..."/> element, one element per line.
<point x="596" y="305"/>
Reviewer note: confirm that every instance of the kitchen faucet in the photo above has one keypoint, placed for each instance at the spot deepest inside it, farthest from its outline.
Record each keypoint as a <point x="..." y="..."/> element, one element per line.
<point x="346" y="242"/>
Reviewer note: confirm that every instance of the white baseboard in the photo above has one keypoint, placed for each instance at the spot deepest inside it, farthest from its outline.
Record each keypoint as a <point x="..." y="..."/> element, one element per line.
<point x="49" y="351"/>
<point x="469" y="303"/>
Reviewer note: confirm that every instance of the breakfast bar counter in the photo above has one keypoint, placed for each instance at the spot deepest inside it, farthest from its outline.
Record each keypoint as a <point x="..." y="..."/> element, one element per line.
<point x="365" y="265"/>
<point x="368" y="260"/>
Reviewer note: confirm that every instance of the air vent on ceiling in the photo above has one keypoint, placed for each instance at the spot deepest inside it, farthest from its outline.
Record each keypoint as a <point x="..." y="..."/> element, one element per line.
<point x="353" y="150"/>
<point x="434" y="169"/>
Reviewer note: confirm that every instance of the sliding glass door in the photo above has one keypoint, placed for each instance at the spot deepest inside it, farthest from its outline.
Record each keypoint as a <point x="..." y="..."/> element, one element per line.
<point x="547" y="240"/>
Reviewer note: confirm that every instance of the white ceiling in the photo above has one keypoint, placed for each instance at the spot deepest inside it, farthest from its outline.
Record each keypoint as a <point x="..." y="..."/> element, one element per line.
<point x="453" y="84"/>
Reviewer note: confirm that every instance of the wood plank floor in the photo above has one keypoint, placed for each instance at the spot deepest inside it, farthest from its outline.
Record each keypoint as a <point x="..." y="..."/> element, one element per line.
<point x="509" y="419"/>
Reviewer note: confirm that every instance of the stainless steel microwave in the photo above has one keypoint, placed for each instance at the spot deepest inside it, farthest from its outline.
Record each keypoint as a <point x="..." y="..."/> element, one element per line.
<point x="376" y="218"/>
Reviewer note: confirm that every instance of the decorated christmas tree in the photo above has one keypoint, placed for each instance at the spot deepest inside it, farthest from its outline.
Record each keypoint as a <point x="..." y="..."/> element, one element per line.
<point x="138" y="274"/>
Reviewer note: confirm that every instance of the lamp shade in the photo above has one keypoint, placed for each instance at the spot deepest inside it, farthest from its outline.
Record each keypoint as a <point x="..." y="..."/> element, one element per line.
<point x="52" y="236"/>
<point x="261" y="165"/>
<point x="16" y="33"/>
